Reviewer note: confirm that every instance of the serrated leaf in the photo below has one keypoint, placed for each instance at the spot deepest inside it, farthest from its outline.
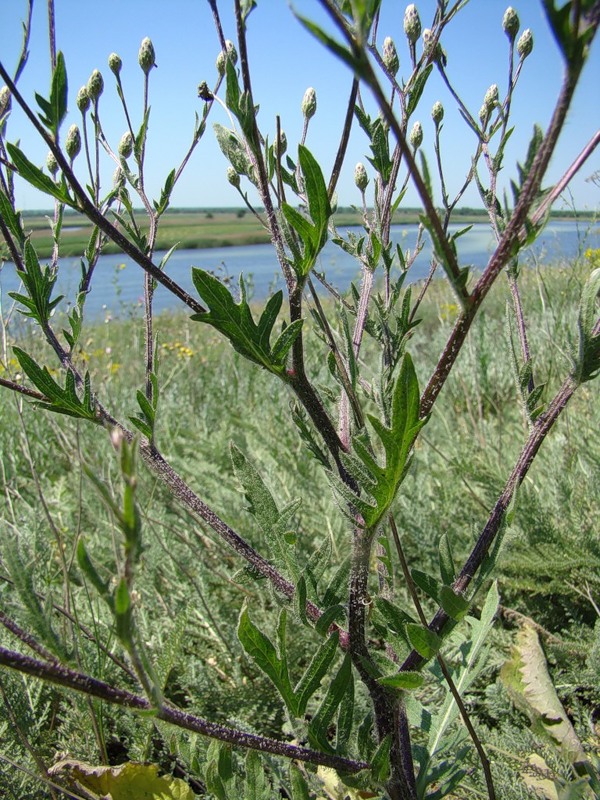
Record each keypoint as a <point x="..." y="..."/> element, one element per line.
<point x="316" y="670"/>
<point x="317" y="728"/>
<point x="12" y="219"/>
<point x="380" y="763"/>
<point x="588" y="361"/>
<point x="299" y="787"/>
<point x="260" y="648"/>
<point x="417" y="90"/>
<point x="38" y="179"/>
<point x="427" y="583"/>
<point x="425" y="642"/>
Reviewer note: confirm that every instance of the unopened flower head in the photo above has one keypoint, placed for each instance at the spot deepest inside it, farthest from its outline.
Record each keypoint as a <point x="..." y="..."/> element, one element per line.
<point x="361" y="179"/>
<point x="416" y="135"/>
<point x="115" y="63"/>
<point x="118" y="178"/>
<point x="229" y="53"/>
<point x="390" y="56"/>
<point x="146" y="57"/>
<point x="491" y="97"/>
<point x="126" y="145"/>
<point x="5" y="100"/>
<point x="281" y="144"/>
<point x="233" y="177"/>
<point x="95" y="85"/>
<point x="525" y="43"/>
<point x="484" y="114"/>
<point x="412" y="23"/>
<point x="73" y="142"/>
<point x="437" y="113"/>
<point x="52" y="163"/>
<point x="309" y="103"/>
<point x="510" y="23"/>
<point x="83" y="100"/>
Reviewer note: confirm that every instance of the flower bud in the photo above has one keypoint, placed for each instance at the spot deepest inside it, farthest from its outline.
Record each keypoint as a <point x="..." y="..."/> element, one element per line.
<point x="229" y="53"/>
<point x="510" y="23"/>
<point x="412" y="23"/>
<point x="491" y="97"/>
<point x="118" y="178"/>
<point x="416" y="135"/>
<point x="233" y="177"/>
<point x="73" y="142"/>
<point x="484" y="114"/>
<point x="525" y="43"/>
<point x="5" y="100"/>
<point x="390" y="56"/>
<point x="361" y="179"/>
<point x="437" y="113"/>
<point x="115" y="64"/>
<point x="281" y="144"/>
<point x="95" y="85"/>
<point x="309" y="103"/>
<point x="51" y="163"/>
<point x="126" y="145"/>
<point x="146" y="58"/>
<point x="83" y="100"/>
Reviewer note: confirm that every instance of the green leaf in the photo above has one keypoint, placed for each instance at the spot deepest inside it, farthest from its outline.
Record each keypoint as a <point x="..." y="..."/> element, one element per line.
<point x="300" y="790"/>
<point x="90" y="572"/>
<point x="427" y="584"/>
<point x="417" y="90"/>
<point x="319" y="206"/>
<point x="122" y="598"/>
<point x="256" y="786"/>
<point x="140" y="139"/>
<point x="124" y="782"/>
<point x="447" y="568"/>
<point x="12" y="219"/>
<point x="319" y="724"/>
<point x="588" y="359"/>
<point x="455" y="605"/>
<point x="38" y="179"/>
<point x="425" y="642"/>
<point x="316" y="670"/>
<point x="380" y="763"/>
<point x="55" y="110"/>
<point x="402" y="680"/>
<point x="260" y="648"/>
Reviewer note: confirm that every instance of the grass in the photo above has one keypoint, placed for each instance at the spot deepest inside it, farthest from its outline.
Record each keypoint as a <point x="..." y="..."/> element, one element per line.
<point x="191" y="589"/>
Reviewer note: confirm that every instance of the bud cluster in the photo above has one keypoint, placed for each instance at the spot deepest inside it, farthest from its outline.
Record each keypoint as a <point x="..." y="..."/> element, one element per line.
<point x="412" y="23"/>
<point x="73" y="142"/>
<point x="416" y="135"/>
<point x="309" y="103"/>
<point x="95" y="85"/>
<point x="390" y="56"/>
<point x="146" y="57"/>
<point x="230" y="53"/>
<point x="361" y="179"/>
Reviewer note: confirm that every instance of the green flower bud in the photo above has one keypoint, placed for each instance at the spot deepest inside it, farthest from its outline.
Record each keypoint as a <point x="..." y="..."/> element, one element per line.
<point x="73" y="142"/>
<point x="146" y="57"/>
<point x="510" y="23"/>
<point x="309" y="103"/>
<point x="416" y="135"/>
<point x="95" y="85"/>
<point x="5" y="100"/>
<point x="412" y="23"/>
<point x="437" y="113"/>
<point x="281" y="144"/>
<point x="390" y="56"/>
<point x="126" y="145"/>
<point x="83" y="100"/>
<point x="361" y="179"/>
<point x="51" y="163"/>
<point x="115" y="64"/>
<point x="233" y="177"/>
<point x="118" y="178"/>
<point x="491" y="97"/>
<point x="229" y="53"/>
<point x="484" y="114"/>
<point x="204" y="93"/>
<point x="525" y="44"/>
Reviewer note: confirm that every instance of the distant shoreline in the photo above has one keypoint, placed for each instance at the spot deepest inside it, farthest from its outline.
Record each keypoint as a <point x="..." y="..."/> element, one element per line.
<point x="195" y="229"/>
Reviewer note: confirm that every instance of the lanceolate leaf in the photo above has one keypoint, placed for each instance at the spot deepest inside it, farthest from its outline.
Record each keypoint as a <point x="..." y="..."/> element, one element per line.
<point x="310" y="681"/>
<point x="425" y="642"/>
<point x="38" y="179"/>
<point x="588" y="361"/>
<point x="317" y="729"/>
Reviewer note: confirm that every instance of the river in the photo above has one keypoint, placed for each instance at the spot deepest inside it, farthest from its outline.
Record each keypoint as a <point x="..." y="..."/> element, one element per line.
<point x="118" y="285"/>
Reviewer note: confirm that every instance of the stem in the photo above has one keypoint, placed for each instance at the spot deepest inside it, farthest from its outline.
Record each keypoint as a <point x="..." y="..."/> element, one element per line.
<point x="80" y="682"/>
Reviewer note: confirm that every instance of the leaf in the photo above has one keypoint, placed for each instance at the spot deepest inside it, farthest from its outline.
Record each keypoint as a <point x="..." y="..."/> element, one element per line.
<point x="402" y="680"/>
<point x="427" y="583"/>
<point x="12" y="219"/>
<point x="319" y="724"/>
<point x="130" y="781"/>
<point x="316" y="670"/>
<point x="526" y="677"/>
<point x="256" y="786"/>
<point x="89" y="570"/>
<point x="417" y="90"/>
<point x="588" y="360"/>
<point x="260" y="648"/>
<point x="300" y="790"/>
<point x="380" y="763"/>
<point x="54" y="110"/>
<point x="38" y="179"/>
<point x="447" y="568"/>
<point x="425" y="642"/>
<point x="455" y="605"/>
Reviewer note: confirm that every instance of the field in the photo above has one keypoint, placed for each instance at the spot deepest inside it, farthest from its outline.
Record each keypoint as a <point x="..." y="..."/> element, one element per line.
<point x="191" y="590"/>
<point x="200" y="228"/>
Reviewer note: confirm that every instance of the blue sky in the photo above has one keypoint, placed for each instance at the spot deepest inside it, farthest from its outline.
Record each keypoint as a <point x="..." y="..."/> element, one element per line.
<point x="285" y="60"/>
